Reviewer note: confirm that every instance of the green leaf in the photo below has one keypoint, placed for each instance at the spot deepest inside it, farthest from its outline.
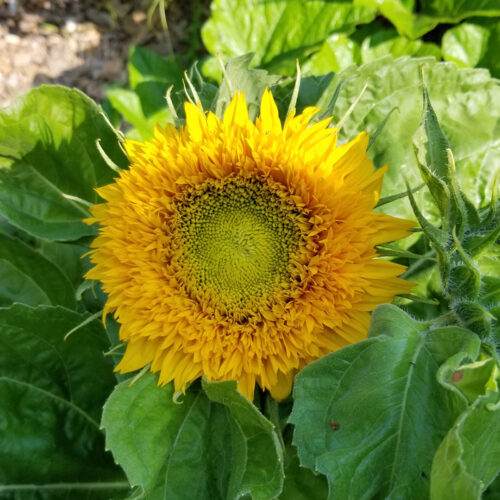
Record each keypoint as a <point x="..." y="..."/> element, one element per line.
<point x="471" y="124"/>
<point x="391" y="320"/>
<point x="215" y="436"/>
<point x="403" y="15"/>
<point x="468" y="459"/>
<point x="263" y="477"/>
<point x="336" y="53"/>
<point x="465" y="44"/>
<point x="471" y="380"/>
<point x="52" y="391"/>
<point x="144" y="105"/>
<point x="384" y="436"/>
<point x="278" y="32"/>
<point x="71" y="258"/>
<point x="147" y="66"/>
<point x="130" y="105"/>
<point x="382" y="42"/>
<point x="27" y="277"/>
<point x="48" y="156"/>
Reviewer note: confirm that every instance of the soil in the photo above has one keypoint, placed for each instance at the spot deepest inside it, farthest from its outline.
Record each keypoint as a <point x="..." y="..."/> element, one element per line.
<point x="85" y="43"/>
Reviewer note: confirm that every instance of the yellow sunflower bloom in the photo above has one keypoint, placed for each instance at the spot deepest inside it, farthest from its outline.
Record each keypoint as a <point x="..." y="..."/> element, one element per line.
<point x="241" y="250"/>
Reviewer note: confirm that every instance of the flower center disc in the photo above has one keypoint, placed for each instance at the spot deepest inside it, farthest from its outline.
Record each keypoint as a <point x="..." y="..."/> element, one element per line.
<point x="238" y="237"/>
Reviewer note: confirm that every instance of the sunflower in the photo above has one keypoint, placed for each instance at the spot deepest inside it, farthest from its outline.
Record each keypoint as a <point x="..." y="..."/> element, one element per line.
<point x="240" y="250"/>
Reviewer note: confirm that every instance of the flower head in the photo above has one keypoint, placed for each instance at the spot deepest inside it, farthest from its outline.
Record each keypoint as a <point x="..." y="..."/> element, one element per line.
<point x="241" y="250"/>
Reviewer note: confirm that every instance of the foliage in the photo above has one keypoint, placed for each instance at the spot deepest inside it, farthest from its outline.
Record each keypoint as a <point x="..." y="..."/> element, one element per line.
<point x="413" y="411"/>
<point x="237" y="27"/>
<point x="214" y="434"/>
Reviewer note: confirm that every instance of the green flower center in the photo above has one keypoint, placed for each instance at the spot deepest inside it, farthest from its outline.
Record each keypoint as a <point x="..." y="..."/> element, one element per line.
<point x="238" y="237"/>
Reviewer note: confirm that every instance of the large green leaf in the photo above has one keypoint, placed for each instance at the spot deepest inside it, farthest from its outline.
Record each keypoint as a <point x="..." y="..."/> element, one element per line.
<point x="403" y="13"/>
<point x="213" y="443"/>
<point x="468" y="459"/>
<point x="467" y="103"/>
<point x="277" y="31"/>
<point x="371" y="416"/>
<point x="28" y="277"/>
<point x="52" y="391"/>
<point x="49" y="160"/>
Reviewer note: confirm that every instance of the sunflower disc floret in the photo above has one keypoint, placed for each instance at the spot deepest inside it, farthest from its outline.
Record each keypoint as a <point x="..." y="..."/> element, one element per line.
<point x="241" y="250"/>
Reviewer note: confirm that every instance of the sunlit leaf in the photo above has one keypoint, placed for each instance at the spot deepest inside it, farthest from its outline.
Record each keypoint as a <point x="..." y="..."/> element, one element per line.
<point x="277" y="31"/>
<point x="471" y="124"/>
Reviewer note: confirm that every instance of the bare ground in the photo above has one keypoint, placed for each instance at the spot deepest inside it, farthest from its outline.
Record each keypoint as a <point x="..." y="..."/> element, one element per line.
<point x="84" y="43"/>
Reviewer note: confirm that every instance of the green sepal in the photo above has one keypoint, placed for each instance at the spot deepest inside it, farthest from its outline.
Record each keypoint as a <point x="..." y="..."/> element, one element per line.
<point x="437" y="167"/>
<point x="486" y="239"/>
<point x="464" y="283"/>
<point x="328" y="109"/>
<point x="465" y="277"/>
<point x="437" y="186"/>
<point x="389" y="199"/>
<point x="473" y="316"/>
<point x="437" y="237"/>
<point x="431" y="142"/>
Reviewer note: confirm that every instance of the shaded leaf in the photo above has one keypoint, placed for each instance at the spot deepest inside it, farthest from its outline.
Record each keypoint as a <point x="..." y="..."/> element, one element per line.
<point x="48" y="156"/>
<point x="52" y="392"/>
<point x="27" y="277"/>
<point x="69" y="257"/>
<point x="373" y="390"/>
<point x="301" y="483"/>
